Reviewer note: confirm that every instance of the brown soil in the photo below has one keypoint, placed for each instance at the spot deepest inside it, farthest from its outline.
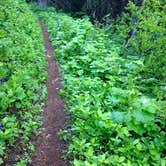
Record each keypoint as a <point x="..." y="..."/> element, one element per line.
<point x="49" y="147"/>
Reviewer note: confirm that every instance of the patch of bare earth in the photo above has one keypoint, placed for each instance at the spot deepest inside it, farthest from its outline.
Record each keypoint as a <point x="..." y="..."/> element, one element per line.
<point x="49" y="147"/>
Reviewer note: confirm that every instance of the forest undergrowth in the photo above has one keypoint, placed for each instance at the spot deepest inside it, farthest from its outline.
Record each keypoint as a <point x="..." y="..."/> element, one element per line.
<point x="114" y="87"/>
<point x="114" y="84"/>
<point x="22" y="81"/>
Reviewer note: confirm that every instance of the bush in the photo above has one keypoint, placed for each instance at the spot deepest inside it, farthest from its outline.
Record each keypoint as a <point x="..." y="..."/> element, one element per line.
<point x="22" y="74"/>
<point x="142" y="30"/>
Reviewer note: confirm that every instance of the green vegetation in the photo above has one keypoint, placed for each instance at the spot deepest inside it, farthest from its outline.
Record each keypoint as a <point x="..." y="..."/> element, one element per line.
<point x="22" y="74"/>
<point x="116" y="103"/>
<point x="113" y="77"/>
<point x="142" y="30"/>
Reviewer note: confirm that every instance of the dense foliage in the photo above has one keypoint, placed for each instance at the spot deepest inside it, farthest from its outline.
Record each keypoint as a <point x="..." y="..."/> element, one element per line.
<point x="22" y="74"/>
<point x="142" y="31"/>
<point x="95" y="9"/>
<point x="117" y="117"/>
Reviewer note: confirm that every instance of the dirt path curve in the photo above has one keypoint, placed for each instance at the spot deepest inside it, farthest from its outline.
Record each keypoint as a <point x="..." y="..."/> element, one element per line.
<point x="49" y="148"/>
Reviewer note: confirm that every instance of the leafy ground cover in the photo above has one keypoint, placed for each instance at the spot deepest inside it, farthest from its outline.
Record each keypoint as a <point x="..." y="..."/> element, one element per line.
<point x="114" y="121"/>
<point x="141" y="32"/>
<point x="22" y="74"/>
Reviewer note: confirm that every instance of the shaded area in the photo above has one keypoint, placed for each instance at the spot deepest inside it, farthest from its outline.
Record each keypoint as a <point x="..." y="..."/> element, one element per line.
<point x="101" y="10"/>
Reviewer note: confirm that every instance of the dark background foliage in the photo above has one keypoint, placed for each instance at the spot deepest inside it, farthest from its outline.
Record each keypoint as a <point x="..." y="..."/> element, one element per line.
<point x="95" y="9"/>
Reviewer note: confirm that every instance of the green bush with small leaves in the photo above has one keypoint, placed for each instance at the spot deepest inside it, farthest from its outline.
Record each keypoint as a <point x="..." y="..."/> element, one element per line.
<point x="22" y="78"/>
<point x="141" y="31"/>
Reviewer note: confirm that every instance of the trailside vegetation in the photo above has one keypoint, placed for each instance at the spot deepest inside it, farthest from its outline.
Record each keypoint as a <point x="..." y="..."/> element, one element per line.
<point x="22" y="78"/>
<point x="141" y="31"/>
<point x="112" y="88"/>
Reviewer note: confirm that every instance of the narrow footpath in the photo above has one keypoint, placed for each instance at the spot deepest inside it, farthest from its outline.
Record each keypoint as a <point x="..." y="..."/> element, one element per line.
<point x="49" y="148"/>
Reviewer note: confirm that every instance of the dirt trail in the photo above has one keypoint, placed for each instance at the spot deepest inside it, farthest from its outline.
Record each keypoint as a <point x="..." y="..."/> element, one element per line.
<point x="49" y="148"/>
